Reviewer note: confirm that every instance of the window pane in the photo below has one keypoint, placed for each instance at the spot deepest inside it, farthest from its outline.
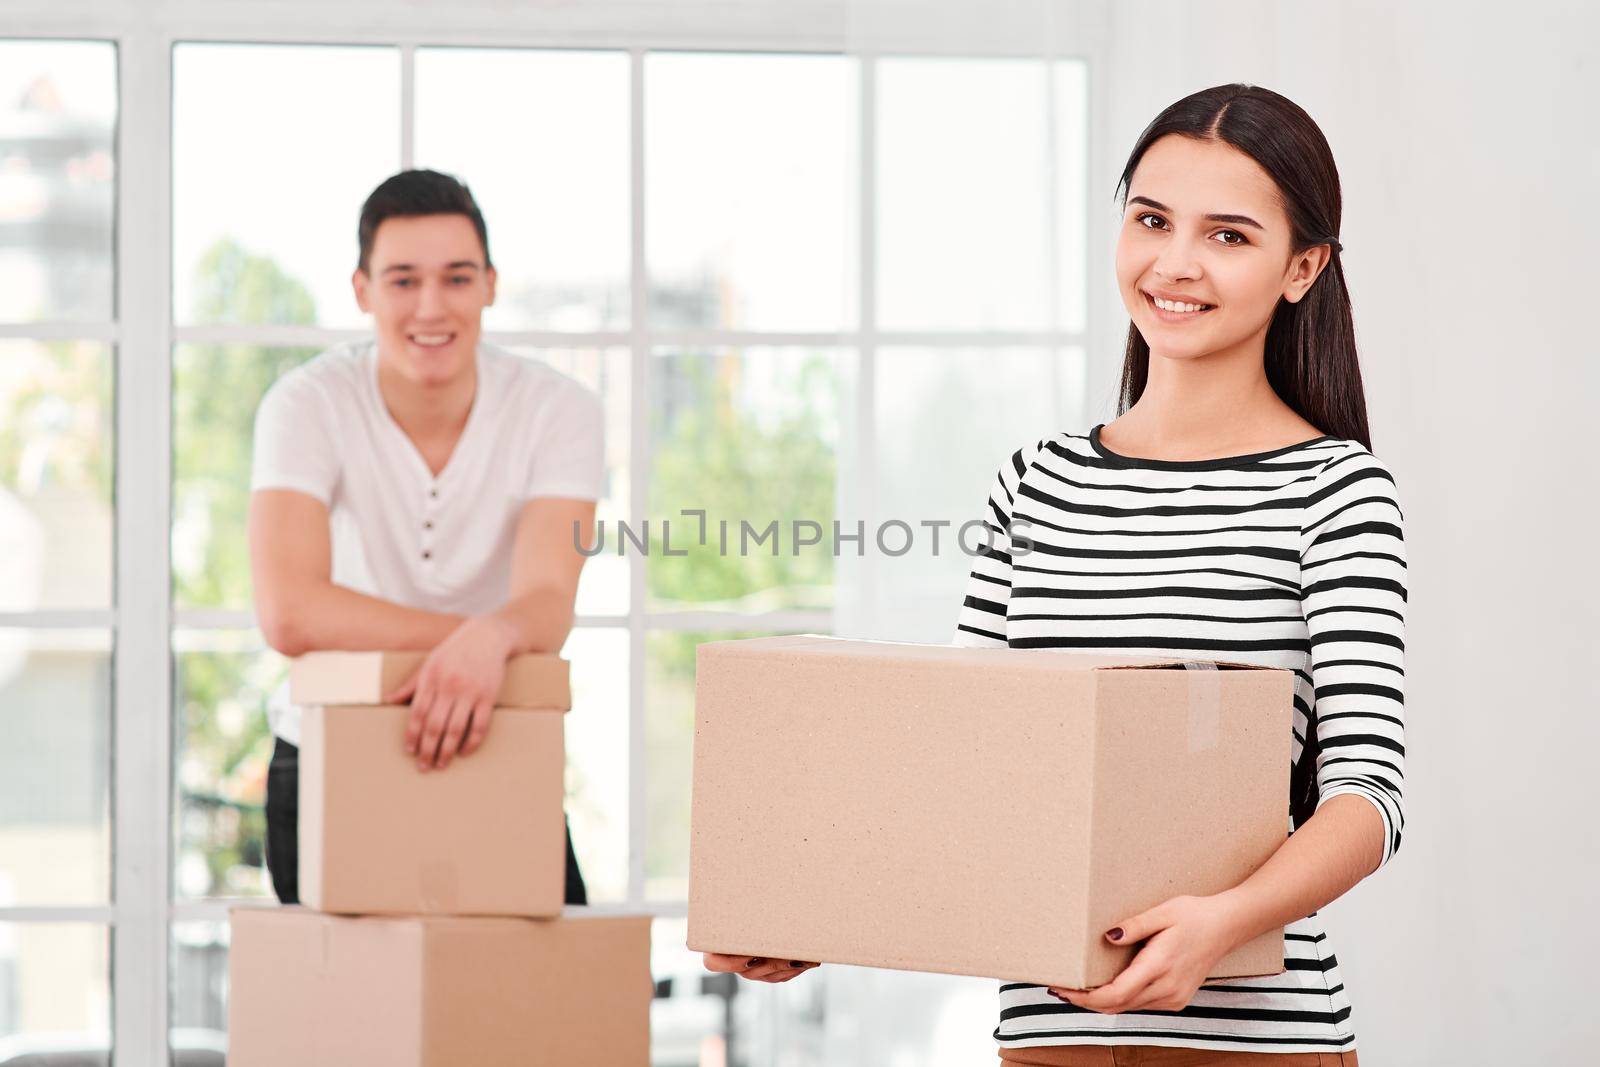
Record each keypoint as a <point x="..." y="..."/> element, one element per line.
<point x="215" y="390"/>
<point x="1072" y="193"/>
<point x="597" y="759"/>
<point x="835" y="1015"/>
<point x="55" y="768"/>
<point x="199" y="982"/>
<point x="689" y="1016"/>
<point x="275" y="147"/>
<point x="752" y="179"/>
<point x="749" y="436"/>
<point x="58" y="116"/>
<point x="1001" y="399"/>
<point x="221" y="682"/>
<point x="961" y="194"/>
<point x="553" y="185"/>
<point x="55" y="475"/>
<point x="603" y="589"/>
<point x="55" y="991"/>
<point x="669" y="739"/>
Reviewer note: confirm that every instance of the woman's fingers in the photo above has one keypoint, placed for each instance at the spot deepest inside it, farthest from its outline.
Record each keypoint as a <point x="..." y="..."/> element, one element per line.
<point x="726" y="964"/>
<point x="778" y="976"/>
<point x="777" y="970"/>
<point x="756" y="968"/>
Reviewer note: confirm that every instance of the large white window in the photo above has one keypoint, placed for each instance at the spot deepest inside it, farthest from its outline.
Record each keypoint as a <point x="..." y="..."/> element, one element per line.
<point x="807" y="285"/>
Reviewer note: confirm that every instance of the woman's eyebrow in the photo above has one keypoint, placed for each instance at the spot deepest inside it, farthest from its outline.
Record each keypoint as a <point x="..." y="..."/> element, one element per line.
<point x="1237" y="220"/>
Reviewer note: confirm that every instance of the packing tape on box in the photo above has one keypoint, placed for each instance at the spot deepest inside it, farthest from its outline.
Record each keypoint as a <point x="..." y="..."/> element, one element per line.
<point x="1205" y="705"/>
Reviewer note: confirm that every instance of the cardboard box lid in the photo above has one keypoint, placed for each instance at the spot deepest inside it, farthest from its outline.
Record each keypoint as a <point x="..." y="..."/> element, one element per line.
<point x="533" y="680"/>
<point x="1042" y="659"/>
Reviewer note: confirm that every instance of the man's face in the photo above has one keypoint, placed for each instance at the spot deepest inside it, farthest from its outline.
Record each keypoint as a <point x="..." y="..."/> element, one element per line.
<point x="425" y="286"/>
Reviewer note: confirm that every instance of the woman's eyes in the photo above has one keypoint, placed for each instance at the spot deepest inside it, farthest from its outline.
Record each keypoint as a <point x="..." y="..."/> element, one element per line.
<point x="1241" y="238"/>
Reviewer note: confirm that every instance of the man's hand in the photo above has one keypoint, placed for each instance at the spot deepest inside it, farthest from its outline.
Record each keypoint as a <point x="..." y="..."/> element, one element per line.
<point x="452" y="694"/>
<point x="756" y="968"/>
<point x="1184" y="938"/>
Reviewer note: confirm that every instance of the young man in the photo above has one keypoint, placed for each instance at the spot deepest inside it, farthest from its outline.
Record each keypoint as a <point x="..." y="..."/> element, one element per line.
<point x="419" y="491"/>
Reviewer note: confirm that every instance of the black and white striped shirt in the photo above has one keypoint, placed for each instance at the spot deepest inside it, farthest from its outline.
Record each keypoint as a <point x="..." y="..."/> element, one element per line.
<point x="1291" y="558"/>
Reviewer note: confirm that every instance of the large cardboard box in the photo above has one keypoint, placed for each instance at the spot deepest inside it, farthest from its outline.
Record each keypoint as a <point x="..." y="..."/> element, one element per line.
<point x="315" y="990"/>
<point x="484" y="836"/>
<point x="974" y="811"/>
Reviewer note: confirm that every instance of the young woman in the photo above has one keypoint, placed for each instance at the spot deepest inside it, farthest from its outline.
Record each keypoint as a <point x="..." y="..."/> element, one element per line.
<point x="1233" y="510"/>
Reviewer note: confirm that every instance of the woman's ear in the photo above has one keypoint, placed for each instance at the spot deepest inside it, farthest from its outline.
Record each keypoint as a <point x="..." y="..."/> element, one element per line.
<point x="1308" y="265"/>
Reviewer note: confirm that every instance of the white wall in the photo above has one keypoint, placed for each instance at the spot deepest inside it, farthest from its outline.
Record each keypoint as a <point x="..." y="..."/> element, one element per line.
<point x="1470" y="158"/>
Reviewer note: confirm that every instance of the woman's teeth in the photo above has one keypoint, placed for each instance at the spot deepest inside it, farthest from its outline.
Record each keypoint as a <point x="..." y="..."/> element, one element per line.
<point x="1179" y="306"/>
<point x="432" y="340"/>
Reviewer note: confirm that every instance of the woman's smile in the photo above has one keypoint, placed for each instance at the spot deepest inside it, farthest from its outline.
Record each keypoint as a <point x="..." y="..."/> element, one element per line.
<point x="1169" y="314"/>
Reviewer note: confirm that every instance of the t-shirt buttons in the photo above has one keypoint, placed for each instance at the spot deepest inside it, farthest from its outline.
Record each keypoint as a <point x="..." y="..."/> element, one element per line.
<point x="433" y="494"/>
<point x="426" y="554"/>
<point x="428" y="525"/>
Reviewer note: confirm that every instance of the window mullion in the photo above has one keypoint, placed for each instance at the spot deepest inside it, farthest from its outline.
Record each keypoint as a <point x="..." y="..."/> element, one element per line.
<point x="141" y="694"/>
<point x="408" y="106"/>
<point x="639" y="459"/>
<point x="866" y="463"/>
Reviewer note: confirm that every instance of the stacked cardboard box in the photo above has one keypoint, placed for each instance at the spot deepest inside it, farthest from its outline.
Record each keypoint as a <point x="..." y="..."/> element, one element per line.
<point x="432" y="929"/>
<point x="975" y="811"/>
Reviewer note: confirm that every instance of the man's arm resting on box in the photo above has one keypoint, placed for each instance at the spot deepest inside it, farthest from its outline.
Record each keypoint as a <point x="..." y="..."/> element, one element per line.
<point x="1184" y="937"/>
<point x="299" y="608"/>
<point x="453" y="694"/>
<point x="545" y="566"/>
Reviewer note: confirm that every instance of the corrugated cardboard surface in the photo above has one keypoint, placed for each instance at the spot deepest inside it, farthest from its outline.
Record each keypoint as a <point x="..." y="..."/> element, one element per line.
<point x="484" y="836"/>
<point x="1175" y="817"/>
<point x="532" y="680"/>
<point x="585" y="981"/>
<point x="973" y="811"/>
<point x="313" y="990"/>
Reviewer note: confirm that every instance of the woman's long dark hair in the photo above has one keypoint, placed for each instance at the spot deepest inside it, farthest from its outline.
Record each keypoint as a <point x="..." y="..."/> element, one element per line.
<point x="1311" y="345"/>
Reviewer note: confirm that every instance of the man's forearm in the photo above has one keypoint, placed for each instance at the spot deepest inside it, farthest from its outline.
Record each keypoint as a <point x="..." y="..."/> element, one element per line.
<point x="331" y="617"/>
<point x="1321" y="861"/>
<point x="537" y="621"/>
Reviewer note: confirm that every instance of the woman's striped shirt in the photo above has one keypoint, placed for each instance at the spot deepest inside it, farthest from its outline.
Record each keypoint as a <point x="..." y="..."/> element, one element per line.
<point x="1291" y="558"/>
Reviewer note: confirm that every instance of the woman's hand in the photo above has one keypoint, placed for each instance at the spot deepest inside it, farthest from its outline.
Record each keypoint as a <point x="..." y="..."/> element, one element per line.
<point x="756" y="968"/>
<point x="1184" y="938"/>
<point x="453" y="693"/>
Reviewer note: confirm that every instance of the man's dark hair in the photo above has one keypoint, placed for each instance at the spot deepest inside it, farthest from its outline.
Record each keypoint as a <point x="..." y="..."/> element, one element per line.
<point x="418" y="192"/>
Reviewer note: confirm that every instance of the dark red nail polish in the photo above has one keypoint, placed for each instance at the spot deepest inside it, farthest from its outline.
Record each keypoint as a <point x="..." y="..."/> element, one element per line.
<point x="797" y="963"/>
<point x="755" y="960"/>
<point x="1115" y="933"/>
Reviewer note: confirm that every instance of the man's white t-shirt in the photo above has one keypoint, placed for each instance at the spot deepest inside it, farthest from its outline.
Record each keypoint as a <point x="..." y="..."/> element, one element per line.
<point x="441" y="543"/>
